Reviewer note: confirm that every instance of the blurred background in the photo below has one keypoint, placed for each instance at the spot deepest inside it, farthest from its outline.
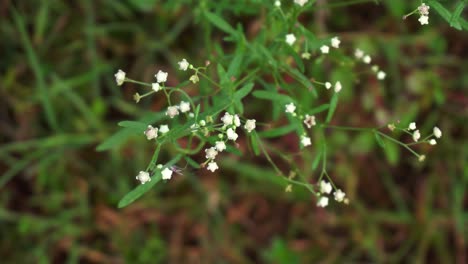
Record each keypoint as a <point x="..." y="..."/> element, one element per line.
<point x="59" y="100"/>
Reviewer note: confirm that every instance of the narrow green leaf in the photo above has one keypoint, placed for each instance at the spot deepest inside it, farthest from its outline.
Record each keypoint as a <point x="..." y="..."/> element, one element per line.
<point x="318" y="109"/>
<point x="444" y="13"/>
<point x="220" y="23"/>
<point x="191" y="162"/>
<point x="115" y="140"/>
<point x="298" y="76"/>
<point x="254" y="141"/>
<point x="333" y="104"/>
<point x="456" y="14"/>
<point x="243" y="92"/>
<point x="273" y="96"/>
<point x="379" y="139"/>
<point x="296" y="57"/>
<point x="276" y="132"/>
<point x="140" y="190"/>
<point x="134" y="125"/>
<point x="317" y="159"/>
<point x="234" y="67"/>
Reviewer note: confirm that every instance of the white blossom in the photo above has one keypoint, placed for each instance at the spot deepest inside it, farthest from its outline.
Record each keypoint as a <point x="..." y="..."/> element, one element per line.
<point x="424" y="9"/>
<point x="338" y="87"/>
<point x="358" y="53"/>
<point x="322" y="202"/>
<point x="305" y="141"/>
<point x="184" y="106"/>
<point x="231" y="134"/>
<point x="236" y="120"/>
<point x="328" y="85"/>
<point x="325" y="187"/>
<point x="155" y="86"/>
<point x="309" y="121"/>
<point x="381" y="75"/>
<point x="166" y="174"/>
<point x="161" y="76"/>
<point x="163" y="129"/>
<point x="227" y="119"/>
<point x="120" y="77"/>
<point x="290" y="39"/>
<point x="424" y="20"/>
<point x="250" y="125"/>
<point x="143" y="177"/>
<point x="416" y="136"/>
<point x="183" y="64"/>
<point x="432" y="142"/>
<point x="151" y="132"/>
<point x="220" y="146"/>
<point x="335" y="42"/>
<point x="211" y="153"/>
<point x="367" y="59"/>
<point x="202" y="123"/>
<point x="290" y="108"/>
<point x="339" y="195"/>
<point x="172" y="111"/>
<point x="437" y="132"/>
<point x="194" y="78"/>
<point x="277" y="3"/>
<point x="412" y="126"/>
<point x="212" y="166"/>
<point x="324" y="49"/>
<point x="301" y="2"/>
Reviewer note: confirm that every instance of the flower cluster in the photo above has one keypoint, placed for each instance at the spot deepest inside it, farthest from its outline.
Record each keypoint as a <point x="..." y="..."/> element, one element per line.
<point x="307" y="120"/>
<point x="436" y="132"/>
<point x="367" y="59"/>
<point x="326" y="188"/>
<point x="423" y="11"/>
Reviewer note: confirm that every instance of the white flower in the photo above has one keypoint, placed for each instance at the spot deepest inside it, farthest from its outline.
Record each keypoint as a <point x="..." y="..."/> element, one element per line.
<point x="309" y="121"/>
<point x="381" y="75"/>
<point x="412" y="126"/>
<point x="161" y="76"/>
<point x="143" y="177"/>
<point x="166" y="174"/>
<point x="305" y="55"/>
<point x="212" y="166"/>
<point x="421" y="158"/>
<point x="437" y="132"/>
<point x="155" y="86"/>
<point x="338" y="87"/>
<point x="183" y="64"/>
<point x="432" y="142"/>
<point x="231" y="134"/>
<point x="227" y="119"/>
<point x="237" y="122"/>
<point x="301" y="2"/>
<point x="194" y="78"/>
<point x="202" y="123"/>
<point x="324" y="49"/>
<point x="163" y="129"/>
<point x="358" y="53"/>
<point x="339" y="195"/>
<point x="211" y="153"/>
<point x="424" y="9"/>
<point x="375" y="68"/>
<point x="120" y="77"/>
<point x="416" y="136"/>
<point x="151" y="132"/>
<point x="250" y="125"/>
<point x="277" y="3"/>
<point x="335" y="42"/>
<point x="325" y="187"/>
<point x="184" y="106"/>
<point x="290" y="39"/>
<point x="220" y="146"/>
<point x="424" y="20"/>
<point x="290" y="108"/>
<point x="367" y="59"/>
<point x="328" y="85"/>
<point x="322" y="202"/>
<point x="305" y="141"/>
<point x="172" y="111"/>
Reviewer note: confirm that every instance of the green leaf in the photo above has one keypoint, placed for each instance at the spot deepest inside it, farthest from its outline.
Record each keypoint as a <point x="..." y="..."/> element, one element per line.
<point x="319" y="109"/>
<point x="444" y="13"/>
<point x="379" y="139"/>
<point x="234" y="67"/>
<point x="317" y="159"/>
<point x="140" y="190"/>
<point x="296" y="57"/>
<point x="243" y="92"/>
<point x="254" y="141"/>
<point x="297" y="75"/>
<point x="191" y="162"/>
<point x="116" y="139"/>
<point x="220" y="23"/>
<point x="134" y="125"/>
<point x="273" y="96"/>
<point x="333" y="104"/>
<point x="276" y="132"/>
<point x="456" y="14"/>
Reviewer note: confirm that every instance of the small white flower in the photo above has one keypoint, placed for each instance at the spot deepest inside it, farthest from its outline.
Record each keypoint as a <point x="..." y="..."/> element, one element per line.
<point x="172" y="111"/>
<point x="335" y="42"/>
<point x="290" y="108"/>
<point x="358" y="53"/>
<point x="305" y="55"/>
<point x="437" y="132"/>
<point x="424" y="9"/>
<point x="227" y="119"/>
<point x="367" y="59"/>
<point x="183" y="64"/>
<point x="375" y="68"/>
<point x="305" y="141"/>
<point x="250" y="125"/>
<point x="290" y="39"/>
<point x="328" y="85"/>
<point x="212" y="166"/>
<point x="338" y="87"/>
<point x="339" y="195"/>
<point x="432" y="142"/>
<point x="161" y="76"/>
<point x="416" y="136"/>
<point x="381" y="75"/>
<point x="194" y="78"/>
<point x="155" y="86"/>
<point x="159" y="166"/>
<point x="236" y="120"/>
<point x="166" y="174"/>
<point x="184" y="106"/>
<point x="231" y="134"/>
<point x="301" y="2"/>
<point x="277" y="3"/>
<point x="309" y="121"/>
<point x="202" y="123"/>
<point x="163" y="129"/>
<point x="322" y="202"/>
<point x="211" y="153"/>
<point x="424" y="20"/>
<point x="220" y="146"/>
<point x="412" y="126"/>
<point x="325" y="187"/>
<point x="151" y="132"/>
<point x="324" y="49"/>
<point x="191" y="115"/>
<point x="422" y="158"/>
<point x="143" y="177"/>
<point x="194" y="127"/>
<point x="120" y="77"/>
